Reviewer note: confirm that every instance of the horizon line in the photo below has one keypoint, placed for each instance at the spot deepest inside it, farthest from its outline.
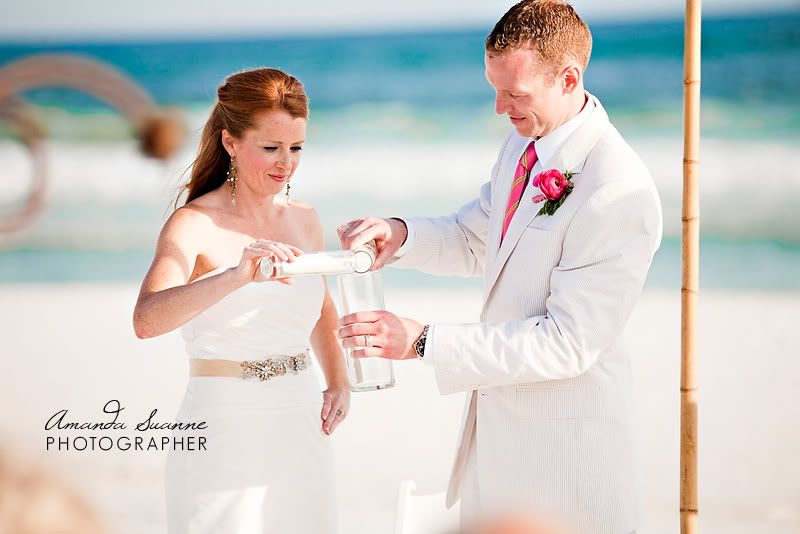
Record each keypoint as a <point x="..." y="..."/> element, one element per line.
<point x="379" y="29"/>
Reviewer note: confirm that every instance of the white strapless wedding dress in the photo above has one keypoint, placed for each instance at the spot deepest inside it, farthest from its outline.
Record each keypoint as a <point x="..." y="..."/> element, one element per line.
<point x="267" y="467"/>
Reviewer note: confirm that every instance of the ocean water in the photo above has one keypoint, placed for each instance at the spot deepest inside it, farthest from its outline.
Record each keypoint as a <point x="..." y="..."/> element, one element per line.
<point x="415" y="109"/>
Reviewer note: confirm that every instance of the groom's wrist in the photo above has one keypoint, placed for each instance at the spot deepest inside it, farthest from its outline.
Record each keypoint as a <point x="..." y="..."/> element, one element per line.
<point x="408" y="240"/>
<point x="405" y="228"/>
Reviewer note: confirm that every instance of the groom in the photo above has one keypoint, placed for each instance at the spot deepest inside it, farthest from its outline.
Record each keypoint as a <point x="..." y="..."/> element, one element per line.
<point x="563" y="234"/>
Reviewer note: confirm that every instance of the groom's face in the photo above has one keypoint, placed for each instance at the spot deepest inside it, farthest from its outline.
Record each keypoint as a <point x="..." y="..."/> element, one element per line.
<point x="526" y="91"/>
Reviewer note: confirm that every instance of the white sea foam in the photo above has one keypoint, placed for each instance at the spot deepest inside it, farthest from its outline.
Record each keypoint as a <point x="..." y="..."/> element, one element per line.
<point x="106" y="195"/>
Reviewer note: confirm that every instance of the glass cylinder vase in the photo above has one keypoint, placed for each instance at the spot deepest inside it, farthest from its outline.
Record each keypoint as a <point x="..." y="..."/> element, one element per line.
<point x="364" y="292"/>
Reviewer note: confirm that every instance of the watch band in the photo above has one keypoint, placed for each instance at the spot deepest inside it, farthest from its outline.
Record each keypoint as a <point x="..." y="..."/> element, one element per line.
<point x="419" y="344"/>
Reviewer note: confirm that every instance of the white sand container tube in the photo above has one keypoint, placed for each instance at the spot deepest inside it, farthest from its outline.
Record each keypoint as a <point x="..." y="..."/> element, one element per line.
<point x="328" y="262"/>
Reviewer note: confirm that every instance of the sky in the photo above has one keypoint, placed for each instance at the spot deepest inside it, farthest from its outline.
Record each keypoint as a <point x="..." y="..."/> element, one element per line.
<point x="90" y="19"/>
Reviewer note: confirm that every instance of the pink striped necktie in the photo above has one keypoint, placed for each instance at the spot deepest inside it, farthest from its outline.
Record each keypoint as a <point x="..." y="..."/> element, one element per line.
<point x="521" y="177"/>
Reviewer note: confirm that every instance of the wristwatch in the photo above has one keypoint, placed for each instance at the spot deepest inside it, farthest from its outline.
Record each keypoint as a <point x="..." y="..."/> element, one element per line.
<point x="419" y="344"/>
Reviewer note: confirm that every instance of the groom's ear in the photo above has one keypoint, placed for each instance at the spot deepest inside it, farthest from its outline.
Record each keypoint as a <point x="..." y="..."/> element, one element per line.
<point x="571" y="78"/>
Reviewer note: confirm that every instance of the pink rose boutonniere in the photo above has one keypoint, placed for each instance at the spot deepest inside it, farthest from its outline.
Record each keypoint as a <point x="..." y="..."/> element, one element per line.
<point x="555" y="186"/>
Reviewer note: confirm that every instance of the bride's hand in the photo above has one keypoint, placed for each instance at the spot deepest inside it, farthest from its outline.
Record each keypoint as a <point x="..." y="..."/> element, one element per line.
<point x="264" y="248"/>
<point x="335" y="407"/>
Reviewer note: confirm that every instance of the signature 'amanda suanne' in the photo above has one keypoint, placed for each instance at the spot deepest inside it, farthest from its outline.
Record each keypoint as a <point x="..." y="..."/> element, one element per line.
<point x="114" y="408"/>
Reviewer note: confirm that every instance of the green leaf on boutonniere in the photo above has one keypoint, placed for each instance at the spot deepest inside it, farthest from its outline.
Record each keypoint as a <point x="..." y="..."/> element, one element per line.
<point x="551" y="206"/>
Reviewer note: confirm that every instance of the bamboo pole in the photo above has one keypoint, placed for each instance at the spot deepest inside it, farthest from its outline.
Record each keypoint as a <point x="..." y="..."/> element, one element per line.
<point x="690" y="276"/>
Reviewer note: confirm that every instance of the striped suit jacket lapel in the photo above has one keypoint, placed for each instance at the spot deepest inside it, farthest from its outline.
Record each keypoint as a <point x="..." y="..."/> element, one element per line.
<point x="571" y="156"/>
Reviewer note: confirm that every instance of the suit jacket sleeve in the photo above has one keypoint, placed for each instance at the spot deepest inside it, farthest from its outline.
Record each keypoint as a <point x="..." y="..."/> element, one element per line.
<point x="607" y="251"/>
<point x="453" y="244"/>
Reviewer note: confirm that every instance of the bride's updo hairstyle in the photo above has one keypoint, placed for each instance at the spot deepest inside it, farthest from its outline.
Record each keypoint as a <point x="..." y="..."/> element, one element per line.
<point x="243" y="96"/>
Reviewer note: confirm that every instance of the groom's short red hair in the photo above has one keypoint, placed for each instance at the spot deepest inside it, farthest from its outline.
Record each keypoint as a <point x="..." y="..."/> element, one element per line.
<point x="552" y="28"/>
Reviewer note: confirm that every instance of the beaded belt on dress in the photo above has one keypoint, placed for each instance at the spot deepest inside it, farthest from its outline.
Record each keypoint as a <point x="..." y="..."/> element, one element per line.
<point x="263" y="370"/>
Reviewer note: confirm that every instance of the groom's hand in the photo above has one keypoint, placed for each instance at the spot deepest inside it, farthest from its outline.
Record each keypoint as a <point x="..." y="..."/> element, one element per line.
<point x="389" y="236"/>
<point x="380" y="333"/>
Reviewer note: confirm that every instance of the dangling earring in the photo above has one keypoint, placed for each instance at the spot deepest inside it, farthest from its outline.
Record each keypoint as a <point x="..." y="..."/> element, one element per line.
<point x="231" y="179"/>
<point x="288" y="186"/>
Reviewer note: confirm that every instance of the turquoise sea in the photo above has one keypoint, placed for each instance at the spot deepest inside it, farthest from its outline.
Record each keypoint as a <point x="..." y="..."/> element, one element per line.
<point x="399" y="105"/>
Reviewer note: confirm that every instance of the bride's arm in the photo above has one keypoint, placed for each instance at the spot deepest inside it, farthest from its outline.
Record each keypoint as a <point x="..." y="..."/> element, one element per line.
<point x="166" y="299"/>
<point x="326" y="344"/>
<point x="328" y="349"/>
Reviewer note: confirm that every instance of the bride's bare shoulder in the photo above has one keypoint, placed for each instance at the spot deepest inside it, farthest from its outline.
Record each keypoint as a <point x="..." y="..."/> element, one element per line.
<point x="192" y="218"/>
<point x="304" y="212"/>
<point x="308" y="219"/>
<point x="203" y="210"/>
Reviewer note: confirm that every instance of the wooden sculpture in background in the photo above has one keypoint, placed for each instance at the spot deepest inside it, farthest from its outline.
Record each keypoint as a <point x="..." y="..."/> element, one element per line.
<point x="160" y="132"/>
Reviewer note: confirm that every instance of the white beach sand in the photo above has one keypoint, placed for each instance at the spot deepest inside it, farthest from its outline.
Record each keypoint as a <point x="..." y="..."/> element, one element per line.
<point x="73" y="347"/>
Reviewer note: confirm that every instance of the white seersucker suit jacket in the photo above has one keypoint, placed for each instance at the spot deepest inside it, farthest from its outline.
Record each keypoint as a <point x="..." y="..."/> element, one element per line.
<point x="550" y="409"/>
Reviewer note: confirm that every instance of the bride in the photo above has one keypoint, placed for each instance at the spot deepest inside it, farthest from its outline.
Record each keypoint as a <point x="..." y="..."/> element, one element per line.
<point x="268" y="465"/>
